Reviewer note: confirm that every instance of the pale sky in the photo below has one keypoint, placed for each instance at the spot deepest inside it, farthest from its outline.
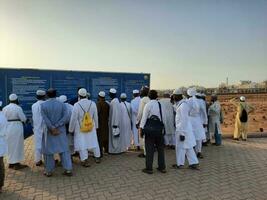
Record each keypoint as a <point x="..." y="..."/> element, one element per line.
<point x="180" y="42"/>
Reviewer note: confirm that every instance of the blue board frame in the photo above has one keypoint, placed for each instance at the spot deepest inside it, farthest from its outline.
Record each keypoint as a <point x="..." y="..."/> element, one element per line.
<point x="25" y="82"/>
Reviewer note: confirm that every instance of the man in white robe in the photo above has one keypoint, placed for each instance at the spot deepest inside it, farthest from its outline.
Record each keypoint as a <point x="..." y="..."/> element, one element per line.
<point x="185" y="139"/>
<point x="215" y="119"/>
<point x="84" y="141"/>
<point x="64" y="99"/>
<point x="38" y="126"/>
<point x="135" y="106"/>
<point x="116" y="137"/>
<point x="196" y="111"/>
<point x="126" y="120"/>
<point x="3" y="146"/>
<point x="144" y="100"/>
<point x="168" y="120"/>
<point x="14" y="133"/>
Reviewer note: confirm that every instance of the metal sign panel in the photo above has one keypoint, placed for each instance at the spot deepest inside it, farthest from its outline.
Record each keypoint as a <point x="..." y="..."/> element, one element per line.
<point x="25" y="82"/>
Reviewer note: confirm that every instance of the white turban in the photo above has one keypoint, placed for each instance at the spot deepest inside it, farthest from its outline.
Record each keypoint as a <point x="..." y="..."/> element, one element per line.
<point x="113" y="91"/>
<point x="102" y="94"/>
<point x="177" y="92"/>
<point x="191" y="92"/>
<point x="242" y="98"/>
<point x="13" y="97"/>
<point x="123" y="96"/>
<point x="82" y="92"/>
<point x="135" y="91"/>
<point x="40" y="93"/>
<point x="63" y="98"/>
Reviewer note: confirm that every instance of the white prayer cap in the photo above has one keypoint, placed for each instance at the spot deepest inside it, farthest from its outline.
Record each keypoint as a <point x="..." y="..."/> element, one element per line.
<point x="113" y="91"/>
<point x="40" y="93"/>
<point x="177" y="91"/>
<point x="82" y="92"/>
<point x="102" y="94"/>
<point x="1" y="103"/>
<point x="13" y="97"/>
<point x="123" y="96"/>
<point x="198" y="94"/>
<point x="191" y="92"/>
<point x="135" y="91"/>
<point x="242" y="98"/>
<point x="63" y="98"/>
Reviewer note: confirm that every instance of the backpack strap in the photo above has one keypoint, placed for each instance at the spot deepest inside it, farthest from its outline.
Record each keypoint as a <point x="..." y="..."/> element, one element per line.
<point x="160" y="111"/>
<point x="89" y="107"/>
<point x="81" y="107"/>
<point x="127" y="110"/>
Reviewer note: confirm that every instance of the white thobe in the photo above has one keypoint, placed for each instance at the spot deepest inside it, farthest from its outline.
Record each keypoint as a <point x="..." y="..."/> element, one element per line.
<point x="143" y="102"/>
<point x="14" y="133"/>
<point x="183" y="127"/>
<point x="3" y="142"/>
<point x="84" y="141"/>
<point x="196" y="108"/>
<point x="116" y="143"/>
<point x="168" y="120"/>
<point x="134" y="106"/>
<point x="126" y="122"/>
<point x="39" y="129"/>
<point x="214" y="113"/>
<point x="70" y="136"/>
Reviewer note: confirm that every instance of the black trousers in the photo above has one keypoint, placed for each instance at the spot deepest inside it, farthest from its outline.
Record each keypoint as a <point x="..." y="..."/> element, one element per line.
<point x="2" y="172"/>
<point x="152" y="142"/>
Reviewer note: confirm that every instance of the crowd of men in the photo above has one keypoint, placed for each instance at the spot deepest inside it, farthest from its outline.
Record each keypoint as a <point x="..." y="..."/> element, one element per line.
<point x="71" y="127"/>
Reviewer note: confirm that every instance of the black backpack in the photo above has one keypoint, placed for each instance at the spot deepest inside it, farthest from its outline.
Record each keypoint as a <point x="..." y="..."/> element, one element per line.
<point x="154" y="125"/>
<point x="244" y="115"/>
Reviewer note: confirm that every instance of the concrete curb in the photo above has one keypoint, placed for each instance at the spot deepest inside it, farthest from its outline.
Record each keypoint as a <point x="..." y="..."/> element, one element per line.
<point x="250" y="135"/>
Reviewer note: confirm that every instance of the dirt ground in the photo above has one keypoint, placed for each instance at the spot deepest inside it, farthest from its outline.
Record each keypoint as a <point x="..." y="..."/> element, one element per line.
<point x="257" y="119"/>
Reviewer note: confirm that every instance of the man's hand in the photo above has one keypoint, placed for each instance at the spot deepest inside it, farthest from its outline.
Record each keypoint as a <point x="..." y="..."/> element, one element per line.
<point x="55" y="131"/>
<point x="182" y="138"/>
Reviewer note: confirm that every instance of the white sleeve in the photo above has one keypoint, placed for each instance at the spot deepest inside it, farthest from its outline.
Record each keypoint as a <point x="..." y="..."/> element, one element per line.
<point x="144" y="116"/>
<point x="22" y="116"/>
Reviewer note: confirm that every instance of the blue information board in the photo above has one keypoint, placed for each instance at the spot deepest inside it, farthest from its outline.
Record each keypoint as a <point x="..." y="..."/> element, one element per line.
<point x="25" y="82"/>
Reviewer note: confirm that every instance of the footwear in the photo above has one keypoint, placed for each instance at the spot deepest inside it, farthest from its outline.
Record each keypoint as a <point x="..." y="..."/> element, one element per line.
<point x="48" y="174"/>
<point x="199" y="155"/>
<point x="19" y="166"/>
<point x="85" y="163"/>
<point x="97" y="160"/>
<point x="38" y="164"/>
<point x="205" y="144"/>
<point x="141" y="155"/>
<point x="76" y="154"/>
<point x="177" y="166"/>
<point x="194" y="167"/>
<point x="147" y="171"/>
<point x="236" y="139"/>
<point x="162" y="170"/>
<point x="173" y="147"/>
<point x="67" y="173"/>
<point x="11" y="166"/>
<point x="244" y="139"/>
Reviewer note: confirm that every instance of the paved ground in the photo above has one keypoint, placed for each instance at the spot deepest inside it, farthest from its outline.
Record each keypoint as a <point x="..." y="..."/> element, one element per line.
<point x="236" y="170"/>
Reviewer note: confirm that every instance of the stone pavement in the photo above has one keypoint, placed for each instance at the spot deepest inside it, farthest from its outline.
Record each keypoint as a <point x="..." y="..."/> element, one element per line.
<point x="236" y="170"/>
